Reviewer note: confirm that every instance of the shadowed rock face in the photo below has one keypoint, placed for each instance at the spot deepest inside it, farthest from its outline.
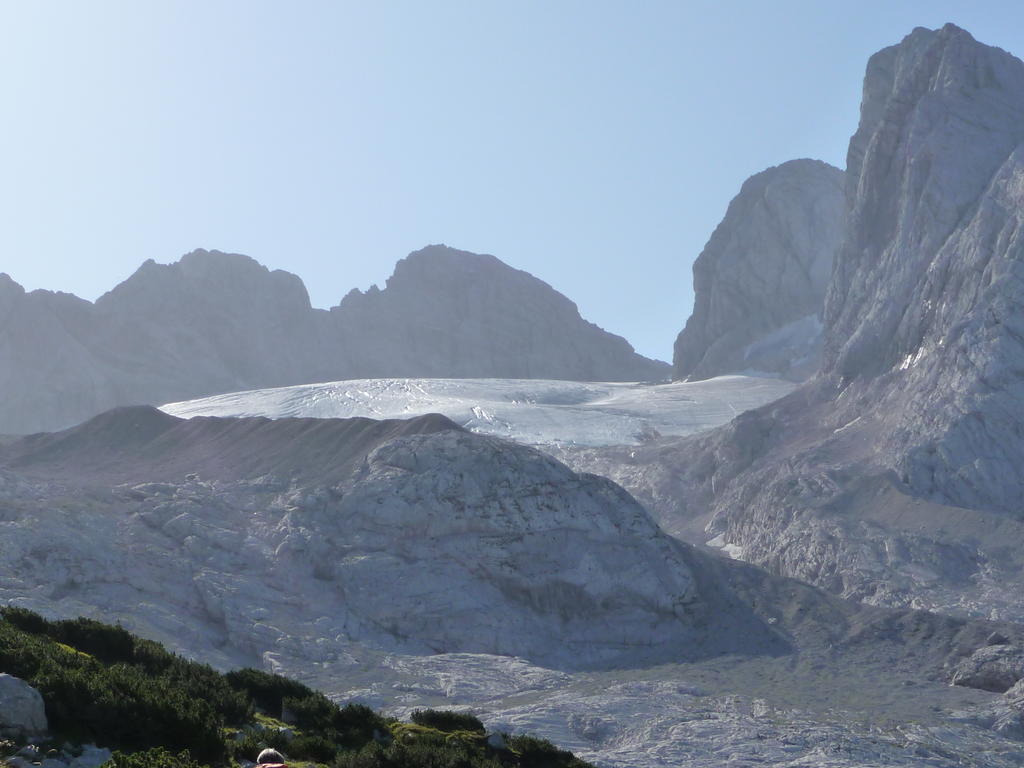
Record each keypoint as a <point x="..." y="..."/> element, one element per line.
<point x="217" y="322"/>
<point x="759" y="284"/>
<point x="894" y="475"/>
<point x="451" y="313"/>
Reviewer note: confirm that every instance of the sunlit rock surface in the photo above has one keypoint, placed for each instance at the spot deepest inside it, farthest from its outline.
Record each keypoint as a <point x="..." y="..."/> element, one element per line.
<point x="924" y="321"/>
<point x="412" y="563"/>
<point x="759" y="284"/>
<point x="411" y="535"/>
<point x="893" y="476"/>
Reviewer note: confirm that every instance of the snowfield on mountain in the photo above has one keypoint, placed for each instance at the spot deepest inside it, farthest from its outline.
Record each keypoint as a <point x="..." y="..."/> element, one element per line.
<point x="532" y="411"/>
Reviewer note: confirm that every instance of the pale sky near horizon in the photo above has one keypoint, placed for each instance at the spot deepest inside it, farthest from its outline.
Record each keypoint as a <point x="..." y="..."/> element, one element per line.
<point x="594" y="144"/>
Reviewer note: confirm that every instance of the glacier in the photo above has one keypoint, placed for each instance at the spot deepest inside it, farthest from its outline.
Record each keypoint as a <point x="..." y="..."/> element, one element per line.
<point x="531" y="411"/>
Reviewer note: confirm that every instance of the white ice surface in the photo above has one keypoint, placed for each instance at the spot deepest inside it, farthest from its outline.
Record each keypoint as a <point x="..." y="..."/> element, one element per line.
<point x="533" y="411"/>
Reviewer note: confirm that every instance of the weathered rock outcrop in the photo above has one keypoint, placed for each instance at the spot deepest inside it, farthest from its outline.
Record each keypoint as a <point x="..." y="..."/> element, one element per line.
<point x="995" y="668"/>
<point x="216" y="322"/>
<point x="411" y="564"/>
<point x="211" y="322"/>
<point x="310" y="538"/>
<point x="759" y="284"/>
<point x="894" y="475"/>
<point x="22" y="713"/>
<point x="924" y="314"/>
<point x="451" y="313"/>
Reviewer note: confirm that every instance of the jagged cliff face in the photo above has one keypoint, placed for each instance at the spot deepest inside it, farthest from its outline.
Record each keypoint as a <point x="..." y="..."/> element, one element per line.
<point x="759" y="284"/>
<point x="211" y="322"/>
<point x="925" y="308"/>
<point x="451" y="313"/>
<point x="48" y="374"/>
<point x="894" y="475"/>
<point x="216" y="322"/>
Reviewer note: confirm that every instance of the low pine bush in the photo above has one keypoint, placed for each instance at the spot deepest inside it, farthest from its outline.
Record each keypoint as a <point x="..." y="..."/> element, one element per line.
<point x="540" y="753"/>
<point x="447" y="721"/>
<point x="152" y="758"/>
<point x="266" y="690"/>
<point x="101" y="684"/>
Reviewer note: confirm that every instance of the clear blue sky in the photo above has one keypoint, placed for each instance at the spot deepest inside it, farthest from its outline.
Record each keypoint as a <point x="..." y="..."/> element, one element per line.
<point x="593" y="144"/>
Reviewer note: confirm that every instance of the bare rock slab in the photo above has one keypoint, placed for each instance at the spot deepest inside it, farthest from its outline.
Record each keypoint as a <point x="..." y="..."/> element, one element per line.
<point x="22" y="712"/>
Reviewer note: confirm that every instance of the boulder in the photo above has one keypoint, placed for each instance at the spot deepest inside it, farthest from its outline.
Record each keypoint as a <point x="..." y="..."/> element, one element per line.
<point x="995" y="668"/>
<point x="22" y="713"/>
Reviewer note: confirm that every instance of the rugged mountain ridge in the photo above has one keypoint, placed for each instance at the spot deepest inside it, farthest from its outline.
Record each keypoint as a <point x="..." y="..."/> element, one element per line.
<point x="925" y="308"/>
<point x="893" y="475"/>
<point x="217" y="322"/>
<point x="404" y="535"/>
<point x="478" y="318"/>
<point x="759" y="284"/>
<point x="420" y="565"/>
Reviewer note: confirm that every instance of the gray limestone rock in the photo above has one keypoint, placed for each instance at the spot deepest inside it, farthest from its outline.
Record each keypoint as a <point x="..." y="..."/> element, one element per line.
<point x="923" y="317"/>
<point x="893" y="476"/>
<point x="996" y="668"/>
<point x="415" y="564"/>
<point x="451" y="313"/>
<point x="308" y="536"/>
<point x="22" y="712"/>
<point x="921" y="381"/>
<point x="759" y="284"/>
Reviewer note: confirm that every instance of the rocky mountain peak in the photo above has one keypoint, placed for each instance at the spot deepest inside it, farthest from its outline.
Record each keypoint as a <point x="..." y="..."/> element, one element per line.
<point x="217" y="322"/>
<point x="9" y="290"/>
<point x="941" y="114"/>
<point x="759" y="284"/>
<point x="894" y="474"/>
<point x="453" y="272"/>
<point x="210" y="276"/>
<point x="451" y="313"/>
<point x="440" y="259"/>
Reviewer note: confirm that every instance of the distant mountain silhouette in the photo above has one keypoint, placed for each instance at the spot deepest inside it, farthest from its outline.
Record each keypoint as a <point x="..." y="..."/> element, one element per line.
<point x="217" y="322"/>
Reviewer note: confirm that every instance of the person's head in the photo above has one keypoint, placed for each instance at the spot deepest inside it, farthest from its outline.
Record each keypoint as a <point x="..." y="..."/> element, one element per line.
<point x="270" y="756"/>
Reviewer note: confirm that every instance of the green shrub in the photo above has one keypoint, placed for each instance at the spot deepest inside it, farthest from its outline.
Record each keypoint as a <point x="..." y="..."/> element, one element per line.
<point x="447" y="721"/>
<point x="116" y="705"/>
<point x="256" y="741"/>
<point x="24" y="619"/>
<point x="315" y="748"/>
<point x="350" y="726"/>
<point x="421" y="753"/>
<point x="540" y="753"/>
<point x="102" y="684"/>
<point x="152" y="758"/>
<point x="267" y="690"/>
<point x="112" y="645"/>
<point x="311" y="712"/>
